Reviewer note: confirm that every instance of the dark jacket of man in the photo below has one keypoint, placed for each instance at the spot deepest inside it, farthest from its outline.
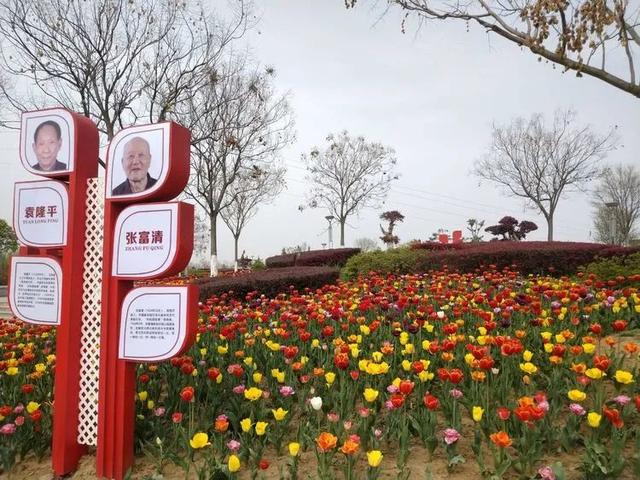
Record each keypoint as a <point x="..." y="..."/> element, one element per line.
<point x="58" y="166"/>
<point x="125" y="187"/>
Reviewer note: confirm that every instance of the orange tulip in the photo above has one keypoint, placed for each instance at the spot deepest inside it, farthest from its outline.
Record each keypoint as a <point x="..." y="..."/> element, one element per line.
<point x="501" y="439"/>
<point x="326" y="442"/>
<point x="350" y="447"/>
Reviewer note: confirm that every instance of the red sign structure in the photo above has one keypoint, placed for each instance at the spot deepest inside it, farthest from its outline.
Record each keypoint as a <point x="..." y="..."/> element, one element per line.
<point x="146" y="236"/>
<point x="61" y="145"/>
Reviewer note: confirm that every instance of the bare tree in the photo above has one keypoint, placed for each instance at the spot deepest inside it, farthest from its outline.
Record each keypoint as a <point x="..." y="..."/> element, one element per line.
<point x="253" y="188"/>
<point x="366" y="244"/>
<point x="616" y="200"/>
<point x="350" y="174"/>
<point x="541" y="162"/>
<point x="596" y="38"/>
<point x="114" y="61"/>
<point x="239" y="124"/>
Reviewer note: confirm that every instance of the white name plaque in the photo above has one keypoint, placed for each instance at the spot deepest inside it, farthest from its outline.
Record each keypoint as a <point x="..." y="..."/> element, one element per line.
<point x="145" y="240"/>
<point x="40" y="213"/>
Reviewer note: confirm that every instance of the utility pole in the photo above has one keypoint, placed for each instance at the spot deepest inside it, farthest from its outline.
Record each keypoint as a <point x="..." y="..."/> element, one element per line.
<point x="330" y="219"/>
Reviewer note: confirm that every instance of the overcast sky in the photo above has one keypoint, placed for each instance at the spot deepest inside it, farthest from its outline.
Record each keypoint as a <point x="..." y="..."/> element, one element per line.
<point x="431" y="95"/>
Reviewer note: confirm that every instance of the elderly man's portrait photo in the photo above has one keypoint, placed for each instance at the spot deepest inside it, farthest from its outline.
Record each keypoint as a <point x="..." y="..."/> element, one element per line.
<point x="136" y="160"/>
<point x="47" y="144"/>
<point x="136" y="163"/>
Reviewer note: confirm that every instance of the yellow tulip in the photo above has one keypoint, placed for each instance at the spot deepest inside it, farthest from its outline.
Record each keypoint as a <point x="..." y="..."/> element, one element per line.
<point x="142" y="396"/>
<point x="476" y="413"/>
<point x="279" y="414"/>
<point x="527" y="356"/>
<point x="233" y="463"/>
<point x="529" y="368"/>
<point x="245" y="424"/>
<point x="253" y="394"/>
<point x="594" y="373"/>
<point x="11" y="371"/>
<point x="623" y="376"/>
<point x="257" y="377"/>
<point x="370" y="395"/>
<point x="330" y="377"/>
<point x="294" y="448"/>
<point x="374" y="457"/>
<point x="594" y="419"/>
<point x="261" y="428"/>
<point x="199" y="440"/>
<point x="576" y="395"/>
<point x="32" y="407"/>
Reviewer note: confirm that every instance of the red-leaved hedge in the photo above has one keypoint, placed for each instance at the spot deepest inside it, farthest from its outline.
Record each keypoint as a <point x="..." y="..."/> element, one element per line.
<point x="437" y="246"/>
<point x="270" y="282"/>
<point x="334" y="257"/>
<point x="559" y="258"/>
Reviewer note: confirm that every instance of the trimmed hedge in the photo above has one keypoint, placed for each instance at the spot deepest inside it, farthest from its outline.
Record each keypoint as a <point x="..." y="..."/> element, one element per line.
<point x="334" y="257"/>
<point x="270" y="282"/>
<point x="436" y="246"/>
<point x="560" y="258"/>
<point x="281" y="261"/>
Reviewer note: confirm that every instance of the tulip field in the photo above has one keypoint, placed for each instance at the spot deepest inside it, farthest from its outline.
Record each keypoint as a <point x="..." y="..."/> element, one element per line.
<point x="441" y="375"/>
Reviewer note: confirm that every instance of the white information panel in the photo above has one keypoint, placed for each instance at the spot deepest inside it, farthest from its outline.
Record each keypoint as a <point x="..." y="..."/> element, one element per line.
<point x="145" y="240"/>
<point x="153" y="325"/>
<point x="40" y="213"/>
<point x="35" y="290"/>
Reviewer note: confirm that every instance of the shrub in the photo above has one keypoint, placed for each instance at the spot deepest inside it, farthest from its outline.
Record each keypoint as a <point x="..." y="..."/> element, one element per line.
<point x="270" y="282"/>
<point x="258" y="264"/>
<point x="559" y="258"/>
<point x="335" y="257"/>
<point x="399" y="261"/>
<point x="615" y="267"/>
<point x="281" y="261"/>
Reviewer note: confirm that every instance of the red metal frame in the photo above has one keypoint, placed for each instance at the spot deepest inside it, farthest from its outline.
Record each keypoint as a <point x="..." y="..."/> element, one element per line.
<point x="66" y="451"/>
<point x="116" y="413"/>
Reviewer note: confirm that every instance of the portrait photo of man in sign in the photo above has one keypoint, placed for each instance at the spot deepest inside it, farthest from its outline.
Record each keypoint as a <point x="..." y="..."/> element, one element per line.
<point x="137" y="163"/>
<point x="46" y="144"/>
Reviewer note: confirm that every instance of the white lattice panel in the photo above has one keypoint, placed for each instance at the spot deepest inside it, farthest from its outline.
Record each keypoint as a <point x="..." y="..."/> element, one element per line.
<point x="91" y="295"/>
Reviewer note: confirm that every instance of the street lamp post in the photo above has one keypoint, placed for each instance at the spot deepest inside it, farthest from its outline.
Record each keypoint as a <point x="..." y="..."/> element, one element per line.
<point x="330" y="219"/>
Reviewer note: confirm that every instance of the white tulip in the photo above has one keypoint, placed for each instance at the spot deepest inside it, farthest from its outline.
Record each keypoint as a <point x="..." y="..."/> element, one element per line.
<point x="316" y="403"/>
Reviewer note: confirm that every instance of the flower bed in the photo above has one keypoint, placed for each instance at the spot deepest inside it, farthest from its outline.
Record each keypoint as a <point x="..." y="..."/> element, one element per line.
<point x="368" y="376"/>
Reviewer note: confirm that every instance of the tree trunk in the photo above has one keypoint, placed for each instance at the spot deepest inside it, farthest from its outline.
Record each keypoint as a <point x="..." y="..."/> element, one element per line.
<point x="235" y="247"/>
<point x="342" y="222"/>
<point x="550" y="228"/>
<point x="213" y="269"/>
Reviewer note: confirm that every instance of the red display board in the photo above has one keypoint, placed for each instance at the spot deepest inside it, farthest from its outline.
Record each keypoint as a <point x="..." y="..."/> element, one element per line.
<point x="60" y="145"/>
<point x="146" y="236"/>
<point x="143" y="239"/>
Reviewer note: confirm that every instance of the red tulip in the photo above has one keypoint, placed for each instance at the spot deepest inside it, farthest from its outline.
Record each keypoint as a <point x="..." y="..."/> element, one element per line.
<point x="430" y="401"/>
<point x="187" y="393"/>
